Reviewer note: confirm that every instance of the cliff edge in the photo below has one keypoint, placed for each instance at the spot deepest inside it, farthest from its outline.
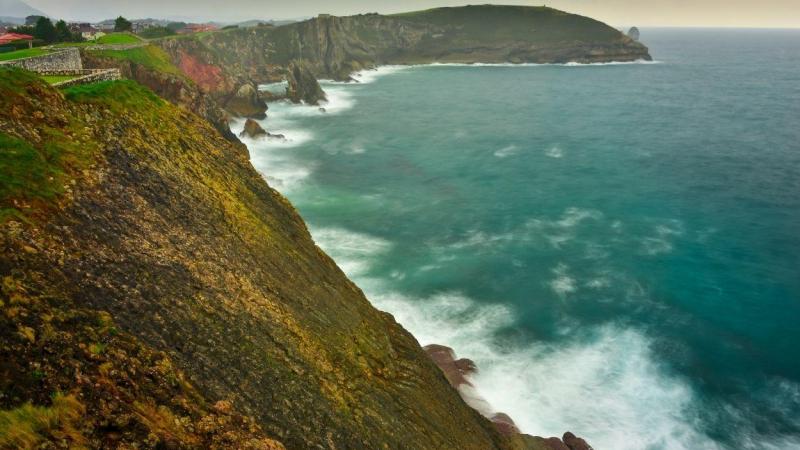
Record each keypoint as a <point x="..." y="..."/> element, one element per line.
<point x="155" y="290"/>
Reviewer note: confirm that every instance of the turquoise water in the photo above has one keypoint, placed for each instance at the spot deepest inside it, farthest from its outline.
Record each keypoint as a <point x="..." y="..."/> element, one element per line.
<point x="616" y="246"/>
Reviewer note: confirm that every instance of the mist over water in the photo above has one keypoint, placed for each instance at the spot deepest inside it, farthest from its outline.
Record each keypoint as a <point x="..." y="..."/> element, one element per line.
<point x="615" y="246"/>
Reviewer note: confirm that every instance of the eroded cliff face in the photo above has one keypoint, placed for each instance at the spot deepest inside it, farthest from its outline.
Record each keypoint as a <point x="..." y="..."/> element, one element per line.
<point x="334" y="47"/>
<point x="158" y="275"/>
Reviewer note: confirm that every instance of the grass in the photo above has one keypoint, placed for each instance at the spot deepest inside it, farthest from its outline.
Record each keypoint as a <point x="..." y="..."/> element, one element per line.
<point x="25" y="53"/>
<point x="122" y="95"/>
<point x="33" y="176"/>
<point x="525" y="23"/>
<point x="53" y="79"/>
<point x="118" y="39"/>
<point x="149" y="56"/>
<point x="109" y="39"/>
<point x="27" y="173"/>
<point x="28" y="426"/>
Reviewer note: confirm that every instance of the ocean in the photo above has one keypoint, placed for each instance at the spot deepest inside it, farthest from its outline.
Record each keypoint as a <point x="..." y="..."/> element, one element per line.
<point x="616" y="246"/>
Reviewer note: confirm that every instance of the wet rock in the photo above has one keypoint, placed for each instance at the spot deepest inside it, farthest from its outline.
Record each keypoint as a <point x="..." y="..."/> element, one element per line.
<point x="455" y="370"/>
<point x="246" y="102"/>
<point x="252" y="129"/>
<point x="303" y="85"/>
<point x="504" y="424"/>
<point x="574" y="442"/>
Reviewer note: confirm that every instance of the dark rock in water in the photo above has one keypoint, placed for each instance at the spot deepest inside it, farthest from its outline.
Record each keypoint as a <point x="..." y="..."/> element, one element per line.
<point x="252" y="129"/>
<point x="322" y="109"/>
<point x="247" y="103"/>
<point x="276" y="136"/>
<point x="575" y="443"/>
<point x="303" y="85"/>
<point x="633" y="33"/>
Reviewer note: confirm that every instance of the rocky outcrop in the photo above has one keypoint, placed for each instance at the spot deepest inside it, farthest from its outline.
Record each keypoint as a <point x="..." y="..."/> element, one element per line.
<point x="247" y="103"/>
<point x="634" y="33"/>
<point x="175" y="88"/>
<point x="303" y="86"/>
<point x="252" y="129"/>
<point x="457" y="372"/>
<point x="574" y="442"/>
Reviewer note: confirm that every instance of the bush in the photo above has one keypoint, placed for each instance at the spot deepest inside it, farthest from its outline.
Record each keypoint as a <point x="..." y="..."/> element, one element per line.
<point x="156" y="32"/>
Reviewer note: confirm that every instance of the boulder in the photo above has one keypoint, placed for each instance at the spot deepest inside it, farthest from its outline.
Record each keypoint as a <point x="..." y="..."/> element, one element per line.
<point x="574" y="442"/>
<point x="303" y="85"/>
<point x="252" y="129"/>
<point x="504" y="424"/>
<point x="247" y="103"/>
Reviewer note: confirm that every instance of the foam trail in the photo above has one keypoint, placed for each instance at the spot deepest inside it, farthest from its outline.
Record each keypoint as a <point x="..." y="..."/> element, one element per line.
<point x="603" y="385"/>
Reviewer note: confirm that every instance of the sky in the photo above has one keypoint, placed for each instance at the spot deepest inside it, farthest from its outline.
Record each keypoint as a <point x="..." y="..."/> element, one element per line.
<point x="682" y="13"/>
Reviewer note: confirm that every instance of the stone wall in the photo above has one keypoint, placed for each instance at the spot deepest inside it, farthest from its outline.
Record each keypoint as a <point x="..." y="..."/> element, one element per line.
<point x="67" y="59"/>
<point x="84" y="76"/>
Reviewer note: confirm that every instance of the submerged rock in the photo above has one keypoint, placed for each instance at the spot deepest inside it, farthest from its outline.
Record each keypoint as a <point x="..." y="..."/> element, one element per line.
<point x="303" y="85"/>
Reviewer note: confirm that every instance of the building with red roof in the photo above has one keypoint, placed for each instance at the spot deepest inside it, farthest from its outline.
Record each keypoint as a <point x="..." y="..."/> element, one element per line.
<point x="13" y="37"/>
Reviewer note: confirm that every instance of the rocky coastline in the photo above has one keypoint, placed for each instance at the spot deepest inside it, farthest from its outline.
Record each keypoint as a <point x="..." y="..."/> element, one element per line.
<point x="158" y="293"/>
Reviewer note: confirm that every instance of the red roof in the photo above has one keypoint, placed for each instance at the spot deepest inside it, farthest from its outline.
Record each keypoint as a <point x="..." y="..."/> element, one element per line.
<point x="11" y="37"/>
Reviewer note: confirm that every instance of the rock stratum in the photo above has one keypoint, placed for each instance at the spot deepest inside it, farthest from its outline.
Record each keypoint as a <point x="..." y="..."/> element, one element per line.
<point x="155" y="292"/>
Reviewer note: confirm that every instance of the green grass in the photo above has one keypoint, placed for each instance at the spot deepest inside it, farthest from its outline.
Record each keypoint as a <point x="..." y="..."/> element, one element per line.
<point x="27" y="173"/>
<point x="537" y="24"/>
<point x="28" y="426"/>
<point x="53" y="79"/>
<point x="149" y="56"/>
<point x="26" y="53"/>
<point x="118" y="39"/>
<point x="33" y="176"/>
<point x="122" y="95"/>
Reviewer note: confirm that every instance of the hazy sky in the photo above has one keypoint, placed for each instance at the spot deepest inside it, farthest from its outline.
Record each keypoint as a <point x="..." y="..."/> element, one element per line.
<point x="725" y="13"/>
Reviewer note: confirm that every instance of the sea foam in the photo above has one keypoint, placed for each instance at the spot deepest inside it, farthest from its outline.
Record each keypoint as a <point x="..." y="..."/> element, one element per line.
<point x="603" y="384"/>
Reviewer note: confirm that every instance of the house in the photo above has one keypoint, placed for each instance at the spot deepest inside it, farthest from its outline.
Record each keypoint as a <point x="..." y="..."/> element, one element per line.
<point x="13" y="37"/>
<point x="86" y="30"/>
<point x="197" y="28"/>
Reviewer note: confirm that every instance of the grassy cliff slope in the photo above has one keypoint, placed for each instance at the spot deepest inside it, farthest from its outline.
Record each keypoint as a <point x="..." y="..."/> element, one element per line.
<point x="155" y="290"/>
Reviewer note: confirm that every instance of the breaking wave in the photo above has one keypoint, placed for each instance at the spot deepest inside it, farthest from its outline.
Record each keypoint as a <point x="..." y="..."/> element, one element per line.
<point x="604" y="384"/>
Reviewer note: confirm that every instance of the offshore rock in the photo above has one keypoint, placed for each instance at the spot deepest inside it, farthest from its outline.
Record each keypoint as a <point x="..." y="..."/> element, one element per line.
<point x="247" y="103"/>
<point x="252" y="129"/>
<point x="303" y="86"/>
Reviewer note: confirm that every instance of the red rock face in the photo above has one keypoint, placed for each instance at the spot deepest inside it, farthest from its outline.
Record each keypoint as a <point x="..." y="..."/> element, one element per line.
<point x="207" y="76"/>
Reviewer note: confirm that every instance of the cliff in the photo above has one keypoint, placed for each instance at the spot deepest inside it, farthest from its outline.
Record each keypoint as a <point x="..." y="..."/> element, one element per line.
<point x="155" y="290"/>
<point x="334" y="47"/>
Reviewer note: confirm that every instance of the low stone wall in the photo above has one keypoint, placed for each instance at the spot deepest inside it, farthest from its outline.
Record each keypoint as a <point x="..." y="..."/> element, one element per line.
<point x="85" y="76"/>
<point x="67" y="59"/>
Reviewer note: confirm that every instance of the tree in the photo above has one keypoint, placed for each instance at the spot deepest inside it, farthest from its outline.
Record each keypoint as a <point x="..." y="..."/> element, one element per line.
<point x="175" y="26"/>
<point x="122" y="24"/>
<point x="45" y="30"/>
<point x="63" y="33"/>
